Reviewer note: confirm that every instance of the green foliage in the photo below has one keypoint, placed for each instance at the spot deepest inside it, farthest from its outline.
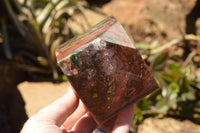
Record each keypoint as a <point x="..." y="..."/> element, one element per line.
<point x="63" y="77"/>
<point x="42" y="25"/>
<point x="179" y="92"/>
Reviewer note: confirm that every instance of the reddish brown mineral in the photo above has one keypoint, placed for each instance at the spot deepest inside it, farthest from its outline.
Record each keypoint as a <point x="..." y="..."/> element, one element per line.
<point x="107" y="76"/>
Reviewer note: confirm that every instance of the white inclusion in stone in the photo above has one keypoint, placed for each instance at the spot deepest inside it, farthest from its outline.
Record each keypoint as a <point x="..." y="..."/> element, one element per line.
<point x="75" y="72"/>
<point x="106" y="54"/>
<point x="98" y="45"/>
<point x="66" y="70"/>
<point x="91" y="74"/>
<point x="110" y="67"/>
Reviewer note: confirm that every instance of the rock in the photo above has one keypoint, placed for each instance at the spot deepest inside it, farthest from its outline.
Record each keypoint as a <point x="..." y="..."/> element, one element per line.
<point x="105" y="69"/>
<point x="167" y="125"/>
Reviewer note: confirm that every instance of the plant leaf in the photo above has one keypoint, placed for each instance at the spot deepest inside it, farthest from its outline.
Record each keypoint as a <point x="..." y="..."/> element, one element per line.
<point x="160" y="60"/>
<point x="162" y="107"/>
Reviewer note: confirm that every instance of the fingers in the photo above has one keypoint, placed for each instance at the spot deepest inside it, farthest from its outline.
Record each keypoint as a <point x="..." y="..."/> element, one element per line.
<point x="123" y="121"/>
<point x="58" y="111"/>
<point x="75" y="116"/>
<point x="85" y="124"/>
<point x="70" y="111"/>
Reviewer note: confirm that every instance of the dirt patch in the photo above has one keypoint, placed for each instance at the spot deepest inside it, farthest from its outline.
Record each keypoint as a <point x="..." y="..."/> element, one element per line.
<point x="39" y="94"/>
<point x="167" y="125"/>
<point x="152" y="19"/>
<point x="144" y="20"/>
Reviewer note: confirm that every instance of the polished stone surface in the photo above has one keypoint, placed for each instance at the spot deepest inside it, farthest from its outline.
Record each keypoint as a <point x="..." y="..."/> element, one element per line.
<point x="105" y="69"/>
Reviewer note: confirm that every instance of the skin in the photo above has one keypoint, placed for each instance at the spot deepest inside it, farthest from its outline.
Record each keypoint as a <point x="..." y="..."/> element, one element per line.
<point x="68" y="115"/>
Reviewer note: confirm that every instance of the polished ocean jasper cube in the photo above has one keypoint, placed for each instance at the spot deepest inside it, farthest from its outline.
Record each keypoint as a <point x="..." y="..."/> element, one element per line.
<point x="105" y="69"/>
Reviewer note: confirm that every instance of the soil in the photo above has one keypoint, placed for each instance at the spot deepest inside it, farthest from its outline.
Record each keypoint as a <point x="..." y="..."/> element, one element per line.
<point x="40" y="94"/>
<point x="167" y="125"/>
<point x="147" y="20"/>
<point x="153" y="19"/>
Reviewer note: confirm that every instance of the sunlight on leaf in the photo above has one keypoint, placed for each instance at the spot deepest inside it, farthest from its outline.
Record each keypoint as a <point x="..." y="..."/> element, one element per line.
<point x="159" y="61"/>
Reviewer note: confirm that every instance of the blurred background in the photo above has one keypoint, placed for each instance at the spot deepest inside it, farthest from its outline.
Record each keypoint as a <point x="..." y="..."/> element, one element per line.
<point x="167" y="34"/>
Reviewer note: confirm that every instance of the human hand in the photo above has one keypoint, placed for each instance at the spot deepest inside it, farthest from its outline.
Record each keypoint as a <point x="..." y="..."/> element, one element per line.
<point x="69" y="115"/>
